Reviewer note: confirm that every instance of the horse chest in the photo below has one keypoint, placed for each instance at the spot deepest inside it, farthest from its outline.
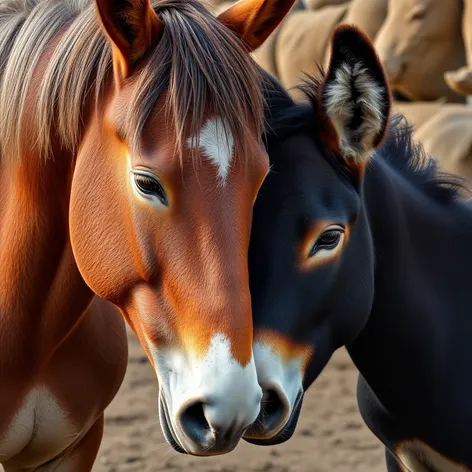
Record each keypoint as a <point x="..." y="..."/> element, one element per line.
<point x="417" y="456"/>
<point x="38" y="432"/>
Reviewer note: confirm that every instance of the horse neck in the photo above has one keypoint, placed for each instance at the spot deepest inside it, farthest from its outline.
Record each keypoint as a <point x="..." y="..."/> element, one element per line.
<point x="419" y="297"/>
<point x="42" y="294"/>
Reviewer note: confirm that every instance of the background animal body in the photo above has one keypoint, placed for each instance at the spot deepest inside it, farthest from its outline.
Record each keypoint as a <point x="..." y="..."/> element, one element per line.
<point x="422" y="45"/>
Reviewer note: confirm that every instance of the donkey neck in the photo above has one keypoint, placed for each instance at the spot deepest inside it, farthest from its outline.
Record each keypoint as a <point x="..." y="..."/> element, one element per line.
<point x="422" y="292"/>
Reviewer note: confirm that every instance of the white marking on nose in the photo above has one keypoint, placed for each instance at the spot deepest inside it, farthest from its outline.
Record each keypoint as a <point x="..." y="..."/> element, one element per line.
<point x="272" y="370"/>
<point x="217" y="143"/>
<point x="232" y="391"/>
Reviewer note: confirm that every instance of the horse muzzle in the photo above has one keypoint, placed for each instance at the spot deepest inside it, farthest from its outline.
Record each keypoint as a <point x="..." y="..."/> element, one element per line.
<point x="205" y="427"/>
<point x="206" y="404"/>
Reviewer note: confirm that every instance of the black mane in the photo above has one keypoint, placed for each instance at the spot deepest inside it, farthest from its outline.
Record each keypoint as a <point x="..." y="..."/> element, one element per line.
<point x="284" y="117"/>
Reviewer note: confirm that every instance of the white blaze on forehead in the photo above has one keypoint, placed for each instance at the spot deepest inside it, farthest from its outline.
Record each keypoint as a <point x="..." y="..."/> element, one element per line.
<point x="232" y="390"/>
<point x="217" y="143"/>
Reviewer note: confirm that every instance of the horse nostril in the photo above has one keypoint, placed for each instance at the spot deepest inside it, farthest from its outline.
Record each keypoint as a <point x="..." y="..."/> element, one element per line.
<point x="213" y="424"/>
<point x="195" y="425"/>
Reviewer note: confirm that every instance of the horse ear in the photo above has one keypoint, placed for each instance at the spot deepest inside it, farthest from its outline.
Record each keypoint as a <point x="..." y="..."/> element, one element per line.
<point x="133" y="28"/>
<point x="254" y="20"/>
<point x="354" y="97"/>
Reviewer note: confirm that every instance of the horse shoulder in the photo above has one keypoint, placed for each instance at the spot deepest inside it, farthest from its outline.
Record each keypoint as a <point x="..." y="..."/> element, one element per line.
<point x="64" y="402"/>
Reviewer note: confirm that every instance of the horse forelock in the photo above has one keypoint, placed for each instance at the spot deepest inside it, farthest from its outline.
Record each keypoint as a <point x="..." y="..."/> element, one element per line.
<point x="199" y="63"/>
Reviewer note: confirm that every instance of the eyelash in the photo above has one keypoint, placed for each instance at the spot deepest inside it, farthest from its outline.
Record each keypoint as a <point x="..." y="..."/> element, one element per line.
<point x="150" y="186"/>
<point x="319" y="245"/>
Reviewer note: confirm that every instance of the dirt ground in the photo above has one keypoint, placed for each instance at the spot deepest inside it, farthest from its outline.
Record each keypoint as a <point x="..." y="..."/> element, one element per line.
<point x="330" y="436"/>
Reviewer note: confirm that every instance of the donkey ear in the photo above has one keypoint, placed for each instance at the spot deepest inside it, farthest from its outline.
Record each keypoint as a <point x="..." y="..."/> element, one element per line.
<point x="254" y="20"/>
<point x="133" y="28"/>
<point x="355" y="97"/>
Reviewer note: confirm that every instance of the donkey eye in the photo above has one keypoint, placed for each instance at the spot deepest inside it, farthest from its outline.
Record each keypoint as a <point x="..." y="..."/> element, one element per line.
<point x="328" y="241"/>
<point x="149" y="186"/>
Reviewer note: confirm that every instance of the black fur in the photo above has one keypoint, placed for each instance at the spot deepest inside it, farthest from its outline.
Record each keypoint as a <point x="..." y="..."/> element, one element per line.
<point x="398" y="296"/>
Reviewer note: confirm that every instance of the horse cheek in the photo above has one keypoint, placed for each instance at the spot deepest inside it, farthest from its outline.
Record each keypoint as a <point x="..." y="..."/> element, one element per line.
<point x="98" y="214"/>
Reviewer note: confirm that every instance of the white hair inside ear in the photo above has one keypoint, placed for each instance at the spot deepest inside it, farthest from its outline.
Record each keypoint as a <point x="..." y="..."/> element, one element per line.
<point x="355" y="92"/>
<point x="355" y="95"/>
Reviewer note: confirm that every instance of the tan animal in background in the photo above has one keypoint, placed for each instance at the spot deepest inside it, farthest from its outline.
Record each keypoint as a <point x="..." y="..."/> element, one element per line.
<point x="368" y="15"/>
<point x="318" y="4"/>
<point x="416" y="47"/>
<point x="461" y="80"/>
<point x="419" y="41"/>
<point x="444" y="130"/>
<point x="418" y="113"/>
<point x="301" y="42"/>
<point x="265" y="55"/>
<point x="447" y="136"/>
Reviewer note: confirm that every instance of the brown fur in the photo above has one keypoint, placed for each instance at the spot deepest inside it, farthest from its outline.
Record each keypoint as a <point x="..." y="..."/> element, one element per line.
<point x="73" y="226"/>
<point x="82" y="62"/>
<point x="267" y="13"/>
<point x="288" y="349"/>
<point x="264" y="55"/>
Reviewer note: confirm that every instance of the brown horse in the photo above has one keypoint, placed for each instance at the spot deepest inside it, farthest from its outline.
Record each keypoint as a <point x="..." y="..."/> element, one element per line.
<point x="130" y="162"/>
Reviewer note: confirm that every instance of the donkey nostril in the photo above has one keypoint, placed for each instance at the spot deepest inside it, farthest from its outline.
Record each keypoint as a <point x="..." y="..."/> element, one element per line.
<point x="271" y="403"/>
<point x="273" y="411"/>
<point x="195" y="424"/>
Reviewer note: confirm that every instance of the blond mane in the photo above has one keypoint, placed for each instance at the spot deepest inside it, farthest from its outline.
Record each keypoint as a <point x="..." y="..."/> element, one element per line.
<point x="198" y="61"/>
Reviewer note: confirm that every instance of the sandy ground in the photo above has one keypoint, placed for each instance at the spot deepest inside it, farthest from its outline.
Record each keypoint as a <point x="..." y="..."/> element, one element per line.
<point x="330" y="436"/>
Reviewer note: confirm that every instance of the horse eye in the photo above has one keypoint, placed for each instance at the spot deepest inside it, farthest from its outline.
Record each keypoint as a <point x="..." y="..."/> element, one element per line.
<point x="150" y="186"/>
<point x="327" y="241"/>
